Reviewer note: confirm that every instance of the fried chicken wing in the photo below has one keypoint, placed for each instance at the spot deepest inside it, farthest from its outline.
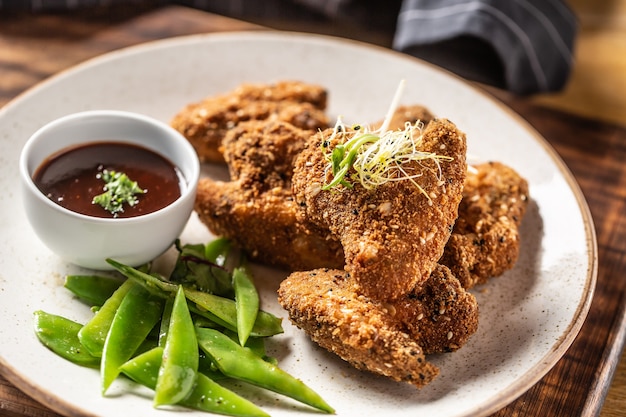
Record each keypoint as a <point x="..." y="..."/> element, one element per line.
<point x="206" y="123"/>
<point x="440" y="315"/>
<point x="387" y="338"/>
<point x="326" y="306"/>
<point x="485" y="239"/>
<point x="409" y="113"/>
<point x="392" y="236"/>
<point x="256" y="208"/>
<point x="382" y="274"/>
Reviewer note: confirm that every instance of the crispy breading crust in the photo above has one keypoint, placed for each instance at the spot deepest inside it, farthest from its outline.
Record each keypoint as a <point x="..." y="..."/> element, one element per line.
<point x="392" y="237"/>
<point x="485" y="241"/>
<point x="260" y="153"/>
<point x="256" y="209"/>
<point x="395" y="304"/>
<point x="325" y="304"/>
<point x="206" y="123"/>
<point x="408" y="113"/>
<point x="440" y="315"/>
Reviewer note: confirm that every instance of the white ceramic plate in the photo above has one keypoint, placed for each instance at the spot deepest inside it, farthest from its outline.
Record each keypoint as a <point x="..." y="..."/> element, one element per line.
<point x="529" y="316"/>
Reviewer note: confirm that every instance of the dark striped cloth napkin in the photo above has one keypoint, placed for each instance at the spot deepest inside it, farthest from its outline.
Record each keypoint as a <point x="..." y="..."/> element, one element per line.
<point x="524" y="46"/>
<point x="532" y="39"/>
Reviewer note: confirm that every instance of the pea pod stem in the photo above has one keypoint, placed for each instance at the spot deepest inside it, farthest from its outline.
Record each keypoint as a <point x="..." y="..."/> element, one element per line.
<point x="241" y="363"/>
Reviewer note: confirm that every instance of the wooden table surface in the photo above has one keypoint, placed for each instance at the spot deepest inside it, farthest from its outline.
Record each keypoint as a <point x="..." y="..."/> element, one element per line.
<point x="588" y="380"/>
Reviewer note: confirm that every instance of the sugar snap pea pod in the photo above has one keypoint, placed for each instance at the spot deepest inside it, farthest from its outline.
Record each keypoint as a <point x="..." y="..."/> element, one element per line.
<point x="207" y="315"/>
<point x="177" y="374"/>
<point x="144" y="368"/>
<point x="241" y="363"/>
<point x="222" y="309"/>
<point x="217" y="251"/>
<point x="225" y="309"/>
<point x="199" y="319"/>
<point x="206" y="395"/>
<point x="255" y="344"/>
<point x="93" y="289"/>
<point x="60" y="335"/>
<point x="135" y="317"/>
<point x="246" y="301"/>
<point x="165" y="321"/>
<point x="208" y="368"/>
<point x="94" y="332"/>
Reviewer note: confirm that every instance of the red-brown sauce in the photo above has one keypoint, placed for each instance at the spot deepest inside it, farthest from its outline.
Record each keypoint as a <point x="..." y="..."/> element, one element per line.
<point x="70" y="177"/>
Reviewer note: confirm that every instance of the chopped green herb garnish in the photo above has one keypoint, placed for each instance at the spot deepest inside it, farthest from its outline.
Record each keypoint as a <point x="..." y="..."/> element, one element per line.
<point x="373" y="157"/>
<point x="118" y="189"/>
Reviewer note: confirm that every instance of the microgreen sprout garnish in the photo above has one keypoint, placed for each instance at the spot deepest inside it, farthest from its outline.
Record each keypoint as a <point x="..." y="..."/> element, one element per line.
<point x="118" y="189"/>
<point x="375" y="157"/>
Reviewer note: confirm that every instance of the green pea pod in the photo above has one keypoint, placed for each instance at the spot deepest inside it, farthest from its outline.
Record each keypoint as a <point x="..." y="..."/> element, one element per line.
<point x="241" y="363"/>
<point x="220" y="309"/>
<point x="144" y="368"/>
<point x="206" y="367"/>
<point x="199" y="320"/>
<point x="206" y="395"/>
<point x="94" y="333"/>
<point x="60" y="335"/>
<point x="255" y="344"/>
<point x="177" y="374"/>
<point x="217" y="251"/>
<point x="165" y="321"/>
<point x="93" y="289"/>
<point x="208" y="316"/>
<point x="246" y="301"/>
<point x="136" y="316"/>
<point x="225" y="309"/>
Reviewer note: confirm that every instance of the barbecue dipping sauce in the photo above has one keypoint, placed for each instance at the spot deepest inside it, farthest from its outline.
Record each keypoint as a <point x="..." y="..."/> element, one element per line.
<point x="70" y="177"/>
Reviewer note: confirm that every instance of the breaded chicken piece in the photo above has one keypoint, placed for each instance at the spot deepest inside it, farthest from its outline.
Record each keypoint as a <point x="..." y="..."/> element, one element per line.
<point x="392" y="236"/>
<point x="260" y="153"/>
<point x="408" y="113"/>
<point x="440" y="314"/>
<point x="206" y="123"/>
<point x="326" y="305"/>
<point x="485" y="240"/>
<point x="256" y="209"/>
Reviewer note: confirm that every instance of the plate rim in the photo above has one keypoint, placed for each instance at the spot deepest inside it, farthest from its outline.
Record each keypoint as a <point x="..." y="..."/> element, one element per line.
<point x="503" y="397"/>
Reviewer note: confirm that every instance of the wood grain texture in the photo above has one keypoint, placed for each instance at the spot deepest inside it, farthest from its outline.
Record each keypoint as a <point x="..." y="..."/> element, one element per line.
<point x="595" y="153"/>
<point x="597" y="87"/>
<point x="33" y="48"/>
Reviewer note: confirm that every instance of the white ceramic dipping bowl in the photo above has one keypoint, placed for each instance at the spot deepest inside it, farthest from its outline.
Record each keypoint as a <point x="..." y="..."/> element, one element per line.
<point x="87" y="241"/>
